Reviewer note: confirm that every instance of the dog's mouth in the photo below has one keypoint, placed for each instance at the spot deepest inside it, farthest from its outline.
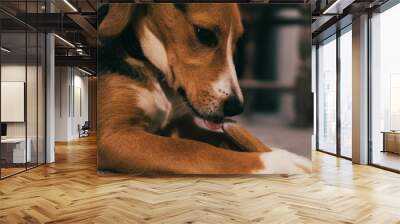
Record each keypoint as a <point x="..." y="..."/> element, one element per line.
<point x="212" y="123"/>
<point x="208" y="125"/>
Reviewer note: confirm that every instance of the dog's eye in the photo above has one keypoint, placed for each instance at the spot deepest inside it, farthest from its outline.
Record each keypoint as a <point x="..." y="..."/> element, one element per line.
<point x="206" y="36"/>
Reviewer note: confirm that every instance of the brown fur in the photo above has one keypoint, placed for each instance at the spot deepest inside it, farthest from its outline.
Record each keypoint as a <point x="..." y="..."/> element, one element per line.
<point x="244" y="139"/>
<point x="128" y="141"/>
<point x="125" y="146"/>
<point x="116" y="19"/>
<point x="193" y="66"/>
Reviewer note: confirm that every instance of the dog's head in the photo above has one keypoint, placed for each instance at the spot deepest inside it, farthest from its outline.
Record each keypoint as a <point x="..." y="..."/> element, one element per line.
<point x="192" y="45"/>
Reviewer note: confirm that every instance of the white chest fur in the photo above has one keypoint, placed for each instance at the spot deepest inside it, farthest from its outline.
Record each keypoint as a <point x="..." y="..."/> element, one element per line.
<point x="154" y="104"/>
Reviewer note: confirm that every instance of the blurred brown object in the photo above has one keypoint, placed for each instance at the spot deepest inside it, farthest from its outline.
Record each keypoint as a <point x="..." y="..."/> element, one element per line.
<point x="243" y="138"/>
<point x="303" y="94"/>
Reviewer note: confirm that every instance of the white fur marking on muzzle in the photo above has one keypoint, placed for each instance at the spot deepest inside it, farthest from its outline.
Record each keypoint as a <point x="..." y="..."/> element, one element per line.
<point x="228" y="82"/>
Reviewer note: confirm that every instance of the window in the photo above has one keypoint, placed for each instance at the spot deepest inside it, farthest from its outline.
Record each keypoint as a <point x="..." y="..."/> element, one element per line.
<point x="346" y="93"/>
<point x="334" y="106"/>
<point x="327" y="96"/>
<point x="385" y="89"/>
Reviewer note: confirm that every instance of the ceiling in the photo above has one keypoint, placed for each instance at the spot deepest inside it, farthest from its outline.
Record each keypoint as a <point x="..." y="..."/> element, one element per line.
<point x="72" y="20"/>
<point x="76" y="22"/>
<point x="332" y="15"/>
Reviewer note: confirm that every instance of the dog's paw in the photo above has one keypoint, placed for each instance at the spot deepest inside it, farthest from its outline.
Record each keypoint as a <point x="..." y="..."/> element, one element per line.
<point x="280" y="161"/>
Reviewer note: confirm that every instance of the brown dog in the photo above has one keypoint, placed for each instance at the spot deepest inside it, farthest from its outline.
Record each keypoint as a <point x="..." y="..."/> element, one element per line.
<point x="167" y="81"/>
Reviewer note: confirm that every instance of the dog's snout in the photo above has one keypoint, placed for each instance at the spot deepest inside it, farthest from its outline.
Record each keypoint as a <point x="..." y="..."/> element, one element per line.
<point x="232" y="106"/>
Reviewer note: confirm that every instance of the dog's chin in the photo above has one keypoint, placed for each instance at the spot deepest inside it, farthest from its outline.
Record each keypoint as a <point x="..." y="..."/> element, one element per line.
<point x="210" y="122"/>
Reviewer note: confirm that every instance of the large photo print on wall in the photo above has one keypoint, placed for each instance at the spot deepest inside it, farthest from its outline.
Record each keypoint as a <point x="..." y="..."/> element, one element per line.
<point x="204" y="88"/>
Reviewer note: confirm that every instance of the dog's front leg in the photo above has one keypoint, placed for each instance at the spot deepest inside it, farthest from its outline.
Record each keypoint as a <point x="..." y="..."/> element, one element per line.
<point x="136" y="151"/>
<point x="184" y="127"/>
<point x="232" y="136"/>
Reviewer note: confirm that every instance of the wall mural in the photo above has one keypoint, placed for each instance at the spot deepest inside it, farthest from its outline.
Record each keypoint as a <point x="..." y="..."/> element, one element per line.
<point x="204" y="88"/>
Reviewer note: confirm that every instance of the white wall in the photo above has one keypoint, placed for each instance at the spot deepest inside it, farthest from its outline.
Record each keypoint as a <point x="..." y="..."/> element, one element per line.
<point x="70" y="84"/>
<point x="62" y="81"/>
<point x="33" y="127"/>
<point x="81" y="108"/>
<point x="16" y="73"/>
<point x="13" y="100"/>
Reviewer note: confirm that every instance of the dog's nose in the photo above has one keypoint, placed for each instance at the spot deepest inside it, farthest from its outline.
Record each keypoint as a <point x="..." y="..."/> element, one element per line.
<point x="232" y="106"/>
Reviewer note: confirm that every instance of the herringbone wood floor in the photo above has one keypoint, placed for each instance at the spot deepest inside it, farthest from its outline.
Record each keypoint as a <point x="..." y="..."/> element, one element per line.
<point x="70" y="191"/>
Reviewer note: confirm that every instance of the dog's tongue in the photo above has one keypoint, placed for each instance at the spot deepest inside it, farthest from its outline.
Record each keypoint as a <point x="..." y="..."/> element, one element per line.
<point x="212" y="126"/>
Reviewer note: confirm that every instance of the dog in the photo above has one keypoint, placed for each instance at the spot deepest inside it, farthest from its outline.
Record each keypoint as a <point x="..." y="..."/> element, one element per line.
<point x="167" y="81"/>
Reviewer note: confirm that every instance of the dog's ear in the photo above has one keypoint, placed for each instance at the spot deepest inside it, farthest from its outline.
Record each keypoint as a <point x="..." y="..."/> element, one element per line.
<point x="117" y="18"/>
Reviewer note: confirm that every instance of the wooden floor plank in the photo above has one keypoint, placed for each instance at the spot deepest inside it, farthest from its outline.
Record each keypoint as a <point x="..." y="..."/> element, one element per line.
<point x="71" y="191"/>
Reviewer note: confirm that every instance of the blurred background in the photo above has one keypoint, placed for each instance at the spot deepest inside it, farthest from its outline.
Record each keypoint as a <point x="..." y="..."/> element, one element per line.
<point x="273" y="62"/>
